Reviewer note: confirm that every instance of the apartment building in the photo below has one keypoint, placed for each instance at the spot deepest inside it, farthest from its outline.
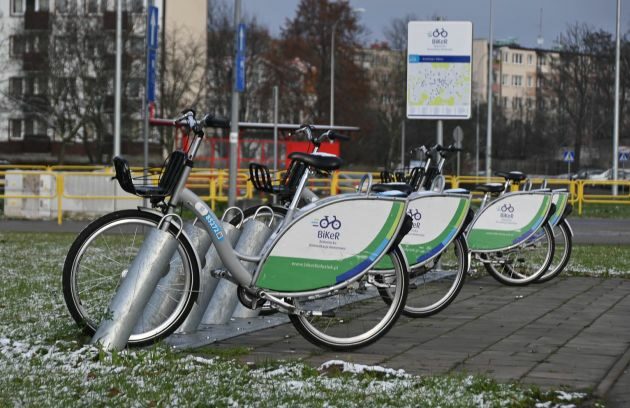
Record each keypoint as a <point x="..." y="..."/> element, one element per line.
<point x="28" y="28"/>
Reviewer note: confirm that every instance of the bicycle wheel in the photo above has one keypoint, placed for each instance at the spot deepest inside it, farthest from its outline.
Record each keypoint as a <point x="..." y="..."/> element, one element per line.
<point x="433" y="287"/>
<point x="525" y="263"/>
<point x="354" y="316"/>
<point x="562" y="255"/>
<point x="97" y="262"/>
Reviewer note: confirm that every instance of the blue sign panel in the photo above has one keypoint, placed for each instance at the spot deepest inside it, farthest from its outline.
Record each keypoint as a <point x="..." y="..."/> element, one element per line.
<point x="240" y="72"/>
<point x="241" y="38"/>
<point x="153" y="27"/>
<point x="569" y="156"/>
<point x="623" y="157"/>
<point x="151" y="76"/>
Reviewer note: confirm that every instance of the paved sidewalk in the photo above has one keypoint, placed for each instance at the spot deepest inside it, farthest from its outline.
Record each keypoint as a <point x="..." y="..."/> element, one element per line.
<point x="572" y="332"/>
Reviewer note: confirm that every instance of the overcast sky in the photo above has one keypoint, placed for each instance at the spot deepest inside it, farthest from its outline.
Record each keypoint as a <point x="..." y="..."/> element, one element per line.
<point x="512" y="18"/>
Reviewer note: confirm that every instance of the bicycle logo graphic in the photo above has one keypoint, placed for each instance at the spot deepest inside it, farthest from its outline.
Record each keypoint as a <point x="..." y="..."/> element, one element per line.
<point x="326" y="222"/>
<point x="507" y="207"/>
<point x="415" y="214"/>
<point x="439" y="33"/>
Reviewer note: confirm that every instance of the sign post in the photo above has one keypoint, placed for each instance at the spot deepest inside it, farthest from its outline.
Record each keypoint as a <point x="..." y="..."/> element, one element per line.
<point x="569" y="157"/>
<point x="458" y="138"/>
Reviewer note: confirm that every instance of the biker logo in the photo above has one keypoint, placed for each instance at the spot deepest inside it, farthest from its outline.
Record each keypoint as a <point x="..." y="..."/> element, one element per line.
<point x="416" y="216"/>
<point x="328" y="227"/>
<point x="439" y="36"/>
<point x="506" y="211"/>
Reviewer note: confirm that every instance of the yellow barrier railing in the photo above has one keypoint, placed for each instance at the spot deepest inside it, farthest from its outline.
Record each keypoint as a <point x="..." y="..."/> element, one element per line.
<point x="212" y="185"/>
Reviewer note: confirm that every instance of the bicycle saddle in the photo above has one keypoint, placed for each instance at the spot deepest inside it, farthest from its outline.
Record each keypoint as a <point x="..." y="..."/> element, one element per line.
<point x="319" y="161"/>
<point x="515" y="176"/>
<point x="490" y="187"/>
<point x="383" y="187"/>
<point x="457" y="191"/>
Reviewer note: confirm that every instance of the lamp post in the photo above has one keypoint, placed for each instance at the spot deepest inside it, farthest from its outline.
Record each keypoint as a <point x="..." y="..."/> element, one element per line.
<point x="332" y="66"/>
<point x="489" y="129"/>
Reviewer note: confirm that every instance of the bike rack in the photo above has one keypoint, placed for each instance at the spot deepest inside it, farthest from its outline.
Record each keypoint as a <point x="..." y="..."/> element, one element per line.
<point x="136" y="288"/>
<point x="224" y="301"/>
<point x="208" y="283"/>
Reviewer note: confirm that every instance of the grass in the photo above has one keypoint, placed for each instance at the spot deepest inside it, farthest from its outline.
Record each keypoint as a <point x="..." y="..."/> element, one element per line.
<point x="600" y="260"/>
<point x="44" y="359"/>
<point x="615" y="211"/>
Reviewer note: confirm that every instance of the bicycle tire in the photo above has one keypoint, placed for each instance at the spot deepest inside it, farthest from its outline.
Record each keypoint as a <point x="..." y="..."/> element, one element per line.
<point x="85" y="310"/>
<point x="432" y="290"/>
<point x="567" y="247"/>
<point x="345" y="327"/>
<point x="508" y="275"/>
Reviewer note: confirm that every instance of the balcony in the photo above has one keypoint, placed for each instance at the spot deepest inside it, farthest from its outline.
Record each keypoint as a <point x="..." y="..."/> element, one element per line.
<point x="37" y="20"/>
<point x="109" y="21"/>
<point x="33" y="61"/>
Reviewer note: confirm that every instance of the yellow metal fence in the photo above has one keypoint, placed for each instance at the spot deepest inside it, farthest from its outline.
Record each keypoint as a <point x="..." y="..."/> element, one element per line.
<point x="212" y="186"/>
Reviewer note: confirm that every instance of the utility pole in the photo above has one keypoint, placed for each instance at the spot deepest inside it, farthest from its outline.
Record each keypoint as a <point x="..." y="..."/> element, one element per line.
<point x="489" y="130"/>
<point x="235" y="107"/>
<point x="118" y="79"/>
<point x="616" y="124"/>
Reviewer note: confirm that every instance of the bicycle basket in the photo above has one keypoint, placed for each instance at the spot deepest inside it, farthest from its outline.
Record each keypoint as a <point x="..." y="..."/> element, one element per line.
<point x="169" y="176"/>
<point x="285" y="188"/>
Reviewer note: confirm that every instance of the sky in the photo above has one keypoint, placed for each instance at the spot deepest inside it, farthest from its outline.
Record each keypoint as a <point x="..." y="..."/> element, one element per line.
<point x="511" y="18"/>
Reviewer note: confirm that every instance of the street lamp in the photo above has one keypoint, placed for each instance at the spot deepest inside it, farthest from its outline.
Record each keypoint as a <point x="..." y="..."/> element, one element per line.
<point x="332" y="66"/>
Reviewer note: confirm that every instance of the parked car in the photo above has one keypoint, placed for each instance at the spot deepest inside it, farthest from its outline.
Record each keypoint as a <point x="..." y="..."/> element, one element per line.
<point x="586" y="174"/>
<point x="623" y="174"/>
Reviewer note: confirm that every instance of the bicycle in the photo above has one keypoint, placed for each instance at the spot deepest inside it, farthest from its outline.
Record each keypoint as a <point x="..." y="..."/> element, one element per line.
<point x="436" y="251"/>
<point x="327" y="288"/>
<point x="512" y="254"/>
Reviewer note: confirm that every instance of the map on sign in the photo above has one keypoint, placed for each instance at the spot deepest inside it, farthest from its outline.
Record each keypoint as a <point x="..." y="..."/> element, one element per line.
<point x="439" y="70"/>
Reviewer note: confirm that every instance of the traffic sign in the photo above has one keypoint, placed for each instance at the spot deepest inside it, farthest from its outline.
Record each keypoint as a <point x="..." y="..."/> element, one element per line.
<point x="569" y="156"/>
<point x="241" y="38"/>
<point x="624" y="157"/>
<point x="151" y="76"/>
<point x="153" y="28"/>
<point x="240" y="72"/>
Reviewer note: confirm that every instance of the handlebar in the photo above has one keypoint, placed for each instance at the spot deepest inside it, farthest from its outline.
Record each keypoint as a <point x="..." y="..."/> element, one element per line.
<point x="188" y="120"/>
<point x="317" y="140"/>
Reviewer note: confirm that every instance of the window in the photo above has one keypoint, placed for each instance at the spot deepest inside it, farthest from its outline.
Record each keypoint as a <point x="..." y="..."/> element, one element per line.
<point x="17" y="7"/>
<point x="33" y="85"/>
<point x="17" y="45"/>
<point x="517" y="58"/>
<point x="517" y="80"/>
<point x="517" y="102"/>
<point x="541" y="60"/>
<point x="529" y="82"/>
<point x="42" y="5"/>
<point x="538" y="82"/>
<point x="504" y="79"/>
<point x="66" y="6"/>
<point x="16" y="86"/>
<point x="95" y="6"/>
<point x="137" y="6"/>
<point x="530" y="59"/>
<point x="505" y="56"/>
<point x="15" y="129"/>
<point x="505" y="101"/>
<point x="529" y="103"/>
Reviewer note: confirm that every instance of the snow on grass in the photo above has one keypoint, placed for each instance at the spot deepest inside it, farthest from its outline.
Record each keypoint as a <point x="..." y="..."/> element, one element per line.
<point x="45" y="362"/>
